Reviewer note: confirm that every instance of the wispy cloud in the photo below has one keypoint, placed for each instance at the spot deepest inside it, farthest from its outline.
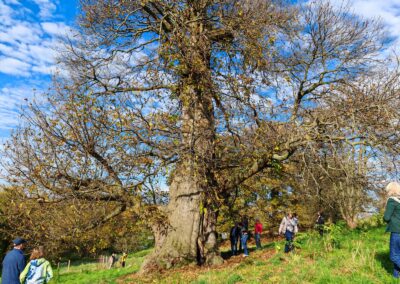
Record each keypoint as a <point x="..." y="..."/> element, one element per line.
<point x="29" y="45"/>
<point x="11" y="100"/>
<point x="47" y="8"/>
<point x="388" y="11"/>
<point x="14" y="66"/>
<point x="30" y="33"/>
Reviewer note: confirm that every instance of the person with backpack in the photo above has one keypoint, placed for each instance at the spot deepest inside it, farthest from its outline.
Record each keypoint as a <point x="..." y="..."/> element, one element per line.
<point x="38" y="270"/>
<point x="234" y="237"/>
<point x="257" y="233"/>
<point x="288" y="228"/>
<point x="392" y="217"/>
<point x="320" y="223"/>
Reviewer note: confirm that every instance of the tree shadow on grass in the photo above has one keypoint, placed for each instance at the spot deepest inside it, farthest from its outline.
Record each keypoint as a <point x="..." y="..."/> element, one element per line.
<point x="228" y="254"/>
<point x="383" y="258"/>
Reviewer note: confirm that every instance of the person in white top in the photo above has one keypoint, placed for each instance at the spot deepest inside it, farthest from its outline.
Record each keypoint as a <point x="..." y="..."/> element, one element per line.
<point x="288" y="228"/>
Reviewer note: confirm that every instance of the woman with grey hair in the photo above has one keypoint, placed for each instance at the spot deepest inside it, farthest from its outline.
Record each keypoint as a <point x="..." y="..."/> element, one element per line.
<point x="392" y="217"/>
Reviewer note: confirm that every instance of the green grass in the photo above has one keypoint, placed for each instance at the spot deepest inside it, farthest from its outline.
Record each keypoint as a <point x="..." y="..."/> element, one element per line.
<point x="91" y="273"/>
<point x="356" y="257"/>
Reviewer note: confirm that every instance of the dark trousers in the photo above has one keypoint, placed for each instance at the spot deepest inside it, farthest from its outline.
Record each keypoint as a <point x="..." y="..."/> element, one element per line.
<point x="234" y="243"/>
<point x="395" y="253"/>
<point x="320" y="228"/>
<point x="289" y="241"/>
<point x="257" y="237"/>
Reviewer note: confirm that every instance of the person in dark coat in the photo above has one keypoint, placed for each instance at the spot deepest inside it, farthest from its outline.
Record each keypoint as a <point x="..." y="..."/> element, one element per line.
<point x="14" y="263"/>
<point x="319" y="223"/>
<point x="234" y="238"/>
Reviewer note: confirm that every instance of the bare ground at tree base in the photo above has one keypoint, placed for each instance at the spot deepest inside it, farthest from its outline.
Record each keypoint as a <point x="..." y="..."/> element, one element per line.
<point x="191" y="272"/>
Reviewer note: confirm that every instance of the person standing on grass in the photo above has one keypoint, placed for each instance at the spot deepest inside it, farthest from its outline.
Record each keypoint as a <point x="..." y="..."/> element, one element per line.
<point x="392" y="217"/>
<point x="14" y="263"/>
<point x="234" y="237"/>
<point x="244" y="238"/>
<point x="288" y="228"/>
<point x="38" y="270"/>
<point x="320" y="222"/>
<point x="112" y="260"/>
<point x="257" y="233"/>
<point x="123" y="259"/>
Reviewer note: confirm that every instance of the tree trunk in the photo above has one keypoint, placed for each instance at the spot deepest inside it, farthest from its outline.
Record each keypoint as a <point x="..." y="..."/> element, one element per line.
<point x="189" y="235"/>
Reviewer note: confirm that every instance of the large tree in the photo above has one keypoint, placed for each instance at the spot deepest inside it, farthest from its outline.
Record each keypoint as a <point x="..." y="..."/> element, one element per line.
<point x="205" y="94"/>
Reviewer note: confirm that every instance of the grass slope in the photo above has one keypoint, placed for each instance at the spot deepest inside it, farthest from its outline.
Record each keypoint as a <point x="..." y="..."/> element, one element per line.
<point x="90" y="273"/>
<point x="341" y="257"/>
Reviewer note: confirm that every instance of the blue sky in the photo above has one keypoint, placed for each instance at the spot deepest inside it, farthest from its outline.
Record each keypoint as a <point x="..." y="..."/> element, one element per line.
<point x="30" y="31"/>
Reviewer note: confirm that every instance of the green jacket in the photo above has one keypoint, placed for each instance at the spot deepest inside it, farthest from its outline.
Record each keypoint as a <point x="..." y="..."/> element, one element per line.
<point x="392" y="215"/>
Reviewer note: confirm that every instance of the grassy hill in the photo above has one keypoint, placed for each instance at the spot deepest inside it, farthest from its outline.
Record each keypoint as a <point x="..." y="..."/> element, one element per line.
<point x="342" y="256"/>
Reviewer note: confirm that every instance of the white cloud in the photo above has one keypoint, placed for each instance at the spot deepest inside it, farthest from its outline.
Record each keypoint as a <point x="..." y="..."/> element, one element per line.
<point x="11" y="100"/>
<point x="47" y="8"/>
<point x="14" y="66"/>
<point x="28" y="44"/>
<point x="5" y="14"/>
<point x="387" y="10"/>
<point x="21" y="32"/>
<point x="56" y="28"/>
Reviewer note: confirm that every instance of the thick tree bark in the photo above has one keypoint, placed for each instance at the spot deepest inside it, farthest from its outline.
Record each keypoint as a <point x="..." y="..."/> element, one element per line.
<point x="189" y="233"/>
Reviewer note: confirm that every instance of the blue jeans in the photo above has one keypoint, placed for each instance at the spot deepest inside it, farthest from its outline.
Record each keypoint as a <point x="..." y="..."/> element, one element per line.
<point x="395" y="253"/>
<point x="289" y="241"/>
<point x="257" y="237"/>
<point x="244" y="243"/>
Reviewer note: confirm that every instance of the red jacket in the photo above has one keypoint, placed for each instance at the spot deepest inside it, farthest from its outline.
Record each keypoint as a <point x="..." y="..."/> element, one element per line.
<point x="258" y="228"/>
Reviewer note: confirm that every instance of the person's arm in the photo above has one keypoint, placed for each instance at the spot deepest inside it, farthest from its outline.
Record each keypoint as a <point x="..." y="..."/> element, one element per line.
<point x="281" y="226"/>
<point x="21" y="264"/>
<point x="23" y="274"/>
<point x="49" y="273"/>
<point x="388" y="210"/>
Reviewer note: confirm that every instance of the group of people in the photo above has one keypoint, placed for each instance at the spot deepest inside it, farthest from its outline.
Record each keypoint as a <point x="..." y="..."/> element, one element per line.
<point x="239" y="235"/>
<point x="38" y="270"/>
<point x="15" y="271"/>
<point x="113" y="259"/>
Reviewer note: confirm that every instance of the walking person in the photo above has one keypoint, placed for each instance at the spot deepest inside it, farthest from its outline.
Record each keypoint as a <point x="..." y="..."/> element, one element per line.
<point x="244" y="238"/>
<point x="320" y="223"/>
<point x="123" y="258"/>
<point x="244" y="224"/>
<point x="257" y="233"/>
<point x="14" y="263"/>
<point x="392" y="217"/>
<point x="234" y="237"/>
<point x="112" y="260"/>
<point x="288" y="228"/>
<point x="38" y="270"/>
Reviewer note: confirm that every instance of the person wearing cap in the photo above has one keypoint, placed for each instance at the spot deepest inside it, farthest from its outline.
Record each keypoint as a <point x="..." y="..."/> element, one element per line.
<point x="392" y="217"/>
<point x="14" y="263"/>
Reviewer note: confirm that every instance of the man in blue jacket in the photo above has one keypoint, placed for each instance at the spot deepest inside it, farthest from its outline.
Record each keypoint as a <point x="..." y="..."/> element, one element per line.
<point x="14" y="263"/>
